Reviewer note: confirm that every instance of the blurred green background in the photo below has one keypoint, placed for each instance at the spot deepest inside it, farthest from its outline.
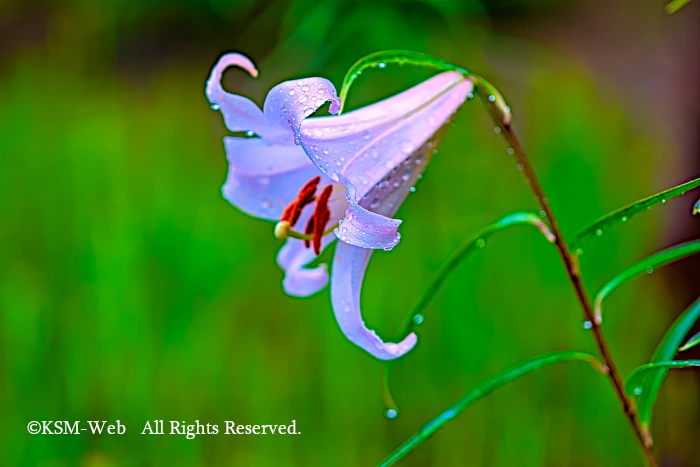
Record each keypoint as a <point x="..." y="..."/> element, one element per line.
<point x="130" y="290"/>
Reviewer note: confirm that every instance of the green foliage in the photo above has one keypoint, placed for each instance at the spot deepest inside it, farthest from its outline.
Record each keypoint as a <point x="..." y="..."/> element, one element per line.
<point x="401" y="57"/>
<point x="483" y="389"/>
<point x="675" y="5"/>
<point x="634" y="386"/>
<point x="475" y="243"/>
<point x="647" y="265"/>
<point x="692" y="342"/>
<point x="666" y="350"/>
<point x="622" y="215"/>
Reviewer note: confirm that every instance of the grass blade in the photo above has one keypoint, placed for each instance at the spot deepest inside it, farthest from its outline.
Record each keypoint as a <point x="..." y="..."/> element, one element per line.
<point x="380" y="59"/>
<point x="597" y="228"/>
<point x="664" y="352"/>
<point x="647" y="265"/>
<point x="486" y="387"/>
<point x="675" y="5"/>
<point x="634" y="386"/>
<point x="692" y="342"/>
<point x="474" y="243"/>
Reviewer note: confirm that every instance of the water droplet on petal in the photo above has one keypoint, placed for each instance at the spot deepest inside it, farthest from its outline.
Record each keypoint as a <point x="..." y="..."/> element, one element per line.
<point x="215" y="107"/>
<point x="405" y="146"/>
<point x="586" y="325"/>
<point x="291" y="93"/>
<point x="391" y="413"/>
<point x="250" y="133"/>
<point x="418" y="319"/>
<point x="266" y="204"/>
<point x="304" y="88"/>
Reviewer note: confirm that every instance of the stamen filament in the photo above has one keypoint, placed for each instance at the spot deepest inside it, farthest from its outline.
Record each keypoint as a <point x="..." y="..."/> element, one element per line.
<point x="284" y="231"/>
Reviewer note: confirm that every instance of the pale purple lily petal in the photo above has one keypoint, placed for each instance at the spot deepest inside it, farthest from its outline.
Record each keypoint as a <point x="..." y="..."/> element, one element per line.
<point x="264" y="177"/>
<point x="288" y="103"/>
<point x="240" y="113"/>
<point x="300" y="281"/>
<point x="349" y="265"/>
<point x="364" y="228"/>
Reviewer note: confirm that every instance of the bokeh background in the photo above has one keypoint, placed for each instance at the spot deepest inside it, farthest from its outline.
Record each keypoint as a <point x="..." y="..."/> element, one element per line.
<point x="130" y="290"/>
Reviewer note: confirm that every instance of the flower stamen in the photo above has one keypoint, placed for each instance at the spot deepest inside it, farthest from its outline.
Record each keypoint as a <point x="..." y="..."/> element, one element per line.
<point x="321" y="215"/>
<point x="316" y="225"/>
<point x="306" y="196"/>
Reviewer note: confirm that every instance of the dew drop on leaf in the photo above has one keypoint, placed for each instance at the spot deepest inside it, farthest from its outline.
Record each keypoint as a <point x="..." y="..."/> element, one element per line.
<point x="480" y="243"/>
<point x="215" y="107"/>
<point x="586" y="324"/>
<point x="382" y="65"/>
<point x="599" y="232"/>
<point x="391" y="413"/>
<point x="418" y="319"/>
<point x="650" y="270"/>
<point x="637" y="391"/>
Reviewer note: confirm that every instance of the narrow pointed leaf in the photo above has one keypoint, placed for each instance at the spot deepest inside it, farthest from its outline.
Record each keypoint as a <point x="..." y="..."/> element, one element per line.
<point x="381" y="59"/>
<point x="486" y="387"/>
<point x="675" y="5"/>
<point x="647" y="265"/>
<point x="634" y="386"/>
<point x="474" y="243"/>
<point x="597" y="228"/>
<point x="692" y="342"/>
<point x="665" y="351"/>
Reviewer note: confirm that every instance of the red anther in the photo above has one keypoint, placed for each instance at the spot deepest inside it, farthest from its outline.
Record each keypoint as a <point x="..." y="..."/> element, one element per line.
<point x="321" y="216"/>
<point x="305" y="197"/>
<point x="309" y="230"/>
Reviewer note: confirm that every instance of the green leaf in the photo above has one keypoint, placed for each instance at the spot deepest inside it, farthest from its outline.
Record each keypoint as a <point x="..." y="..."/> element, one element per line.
<point x="634" y="386"/>
<point x="495" y="103"/>
<point x="381" y="59"/>
<point x="647" y="265"/>
<point x="665" y="351"/>
<point x="474" y="243"/>
<point x="675" y="5"/>
<point x="597" y="228"/>
<point x="692" y="342"/>
<point x="495" y="382"/>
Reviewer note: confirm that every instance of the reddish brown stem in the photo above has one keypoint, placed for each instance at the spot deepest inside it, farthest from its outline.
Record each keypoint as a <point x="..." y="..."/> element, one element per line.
<point x="573" y="271"/>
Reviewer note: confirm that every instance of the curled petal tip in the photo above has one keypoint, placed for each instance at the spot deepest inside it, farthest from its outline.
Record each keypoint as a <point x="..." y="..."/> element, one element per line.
<point x="214" y="88"/>
<point x="336" y="105"/>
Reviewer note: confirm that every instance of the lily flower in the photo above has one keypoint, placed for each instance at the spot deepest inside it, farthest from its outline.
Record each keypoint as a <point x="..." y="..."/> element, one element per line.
<point x="340" y="177"/>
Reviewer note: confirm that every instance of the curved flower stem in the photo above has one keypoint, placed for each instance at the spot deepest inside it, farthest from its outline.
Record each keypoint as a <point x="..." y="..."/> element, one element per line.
<point x="572" y="268"/>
